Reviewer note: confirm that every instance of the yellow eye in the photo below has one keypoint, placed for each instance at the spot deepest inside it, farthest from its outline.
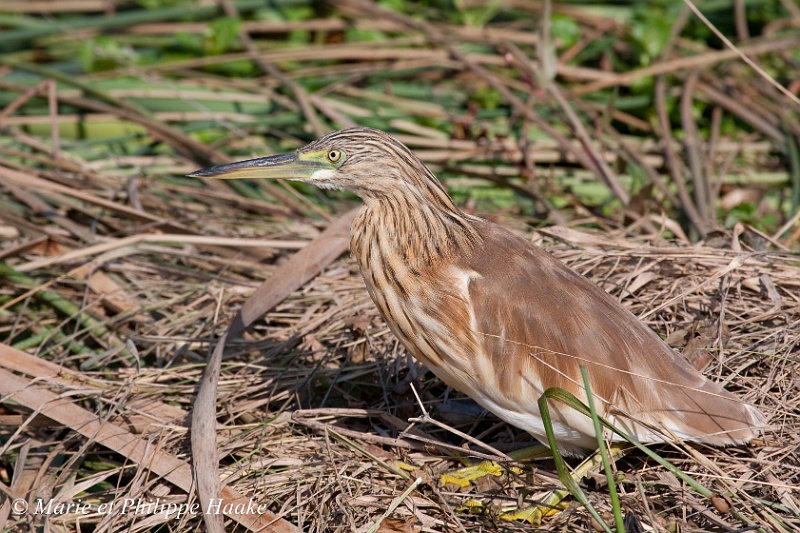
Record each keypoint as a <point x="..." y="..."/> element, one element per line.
<point x="334" y="156"/>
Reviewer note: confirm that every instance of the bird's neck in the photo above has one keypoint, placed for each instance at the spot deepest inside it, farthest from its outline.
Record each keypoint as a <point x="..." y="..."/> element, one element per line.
<point x="413" y="229"/>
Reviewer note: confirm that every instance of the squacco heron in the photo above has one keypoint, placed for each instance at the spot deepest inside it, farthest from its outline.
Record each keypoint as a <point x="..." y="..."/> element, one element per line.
<point x="497" y="317"/>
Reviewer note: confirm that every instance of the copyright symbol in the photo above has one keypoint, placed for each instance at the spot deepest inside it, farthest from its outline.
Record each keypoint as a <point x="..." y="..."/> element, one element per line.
<point x="19" y="506"/>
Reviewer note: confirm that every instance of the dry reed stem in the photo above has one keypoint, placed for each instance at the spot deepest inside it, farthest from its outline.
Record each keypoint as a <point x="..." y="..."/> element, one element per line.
<point x="324" y="364"/>
<point x="313" y="404"/>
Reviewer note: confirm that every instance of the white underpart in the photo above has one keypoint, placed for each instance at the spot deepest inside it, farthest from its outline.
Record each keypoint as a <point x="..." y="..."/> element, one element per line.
<point x="322" y="179"/>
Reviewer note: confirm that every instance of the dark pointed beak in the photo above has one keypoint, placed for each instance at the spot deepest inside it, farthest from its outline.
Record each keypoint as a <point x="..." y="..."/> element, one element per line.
<point x="283" y="166"/>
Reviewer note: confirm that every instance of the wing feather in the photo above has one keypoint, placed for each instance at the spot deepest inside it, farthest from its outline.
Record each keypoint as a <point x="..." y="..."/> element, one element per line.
<point x="537" y="321"/>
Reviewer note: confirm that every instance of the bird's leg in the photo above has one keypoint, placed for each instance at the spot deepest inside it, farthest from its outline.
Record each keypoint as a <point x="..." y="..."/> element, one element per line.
<point x="464" y="476"/>
<point x="553" y="502"/>
<point x="468" y="474"/>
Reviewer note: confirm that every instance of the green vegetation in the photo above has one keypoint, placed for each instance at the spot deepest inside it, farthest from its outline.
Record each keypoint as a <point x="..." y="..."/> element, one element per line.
<point x="634" y="123"/>
<point x="191" y="67"/>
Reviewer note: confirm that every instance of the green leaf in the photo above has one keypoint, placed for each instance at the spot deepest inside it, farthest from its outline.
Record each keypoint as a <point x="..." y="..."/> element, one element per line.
<point x="565" y="29"/>
<point x="222" y="34"/>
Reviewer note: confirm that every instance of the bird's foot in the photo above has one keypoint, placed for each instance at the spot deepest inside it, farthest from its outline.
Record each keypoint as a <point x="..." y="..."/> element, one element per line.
<point x="463" y="477"/>
<point x="552" y="504"/>
<point x="554" y="501"/>
<point x="535" y="515"/>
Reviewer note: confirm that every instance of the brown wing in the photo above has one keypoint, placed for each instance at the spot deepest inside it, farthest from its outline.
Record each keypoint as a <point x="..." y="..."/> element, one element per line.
<point x="539" y="320"/>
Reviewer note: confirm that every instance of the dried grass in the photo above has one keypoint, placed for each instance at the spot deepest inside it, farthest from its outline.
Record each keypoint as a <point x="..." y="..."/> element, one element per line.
<point x="119" y="278"/>
<point x="313" y="405"/>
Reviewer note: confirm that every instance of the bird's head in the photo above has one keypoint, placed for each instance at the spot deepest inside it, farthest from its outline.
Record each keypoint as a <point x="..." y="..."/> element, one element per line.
<point x="364" y="161"/>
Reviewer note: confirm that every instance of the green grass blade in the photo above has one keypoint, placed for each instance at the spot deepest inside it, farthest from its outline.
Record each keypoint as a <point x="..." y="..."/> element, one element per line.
<point x="598" y="431"/>
<point x="561" y="467"/>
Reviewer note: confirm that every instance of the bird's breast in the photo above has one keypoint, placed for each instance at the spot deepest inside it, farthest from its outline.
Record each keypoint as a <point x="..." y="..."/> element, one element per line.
<point x="426" y="306"/>
<point x="418" y="274"/>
